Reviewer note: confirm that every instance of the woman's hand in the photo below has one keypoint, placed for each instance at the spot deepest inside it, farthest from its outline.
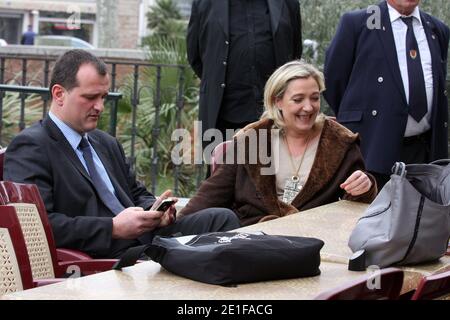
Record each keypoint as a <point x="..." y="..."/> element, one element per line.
<point x="357" y="184"/>
<point x="169" y="215"/>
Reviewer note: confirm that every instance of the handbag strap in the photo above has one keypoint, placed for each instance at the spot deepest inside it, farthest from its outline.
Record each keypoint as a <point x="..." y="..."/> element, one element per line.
<point x="399" y="169"/>
<point x="441" y="162"/>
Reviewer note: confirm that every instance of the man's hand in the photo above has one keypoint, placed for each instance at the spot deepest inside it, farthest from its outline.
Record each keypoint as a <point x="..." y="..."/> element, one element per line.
<point x="168" y="216"/>
<point x="135" y="221"/>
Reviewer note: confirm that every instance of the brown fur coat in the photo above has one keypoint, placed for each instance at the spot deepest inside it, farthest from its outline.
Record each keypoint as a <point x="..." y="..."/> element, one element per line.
<point x="252" y="196"/>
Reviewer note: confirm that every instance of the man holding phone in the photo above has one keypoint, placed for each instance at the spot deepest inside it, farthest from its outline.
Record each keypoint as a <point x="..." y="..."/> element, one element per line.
<point x="93" y="200"/>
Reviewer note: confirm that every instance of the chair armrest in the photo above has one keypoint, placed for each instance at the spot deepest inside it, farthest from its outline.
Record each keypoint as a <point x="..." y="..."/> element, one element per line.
<point x="70" y="255"/>
<point x="44" y="282"/>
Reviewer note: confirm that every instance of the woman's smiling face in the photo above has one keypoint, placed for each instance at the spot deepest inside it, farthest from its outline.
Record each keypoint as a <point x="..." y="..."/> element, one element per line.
<point x="300" y="105"/>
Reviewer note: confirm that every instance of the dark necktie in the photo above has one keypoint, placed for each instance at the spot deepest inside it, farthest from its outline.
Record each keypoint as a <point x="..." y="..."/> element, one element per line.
<point x="417" y="92"/>
<point x="108" y="198"/>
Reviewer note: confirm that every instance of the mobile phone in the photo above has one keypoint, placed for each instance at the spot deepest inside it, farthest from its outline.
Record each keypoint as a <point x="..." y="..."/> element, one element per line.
<point x="165" y="204"/>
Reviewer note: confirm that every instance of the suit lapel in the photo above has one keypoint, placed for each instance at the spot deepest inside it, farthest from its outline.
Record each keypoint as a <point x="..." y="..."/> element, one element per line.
<point x="275" y="9"/>
<point x="221" y="8"/>
<point x="64" y="145"/>
<point x="386" y="36"/>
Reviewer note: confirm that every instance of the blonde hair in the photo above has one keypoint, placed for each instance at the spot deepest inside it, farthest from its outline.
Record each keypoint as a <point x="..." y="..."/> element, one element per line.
<point x="278" y="82"/>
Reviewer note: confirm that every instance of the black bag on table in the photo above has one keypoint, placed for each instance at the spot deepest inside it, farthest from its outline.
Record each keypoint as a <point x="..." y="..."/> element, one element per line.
<point x="232" y="257"/>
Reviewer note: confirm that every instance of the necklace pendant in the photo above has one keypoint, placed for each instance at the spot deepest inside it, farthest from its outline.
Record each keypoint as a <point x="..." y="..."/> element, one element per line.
<point x="292" y="188"/>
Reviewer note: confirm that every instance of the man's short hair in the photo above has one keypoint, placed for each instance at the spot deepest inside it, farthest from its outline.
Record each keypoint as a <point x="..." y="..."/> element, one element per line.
<point x="66" y="68"/>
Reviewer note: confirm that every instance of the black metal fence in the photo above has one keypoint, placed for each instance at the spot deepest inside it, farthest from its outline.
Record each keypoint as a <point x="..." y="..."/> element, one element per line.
<point x="29" y="77"/>
<point x="16" y="76"/>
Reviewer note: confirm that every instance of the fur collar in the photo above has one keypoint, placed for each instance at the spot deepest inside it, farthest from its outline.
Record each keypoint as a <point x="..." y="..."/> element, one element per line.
<point x="334" y="142"/>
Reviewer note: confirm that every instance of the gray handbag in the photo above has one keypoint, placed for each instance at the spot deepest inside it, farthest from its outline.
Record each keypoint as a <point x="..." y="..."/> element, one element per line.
<point x="409" y="220"/>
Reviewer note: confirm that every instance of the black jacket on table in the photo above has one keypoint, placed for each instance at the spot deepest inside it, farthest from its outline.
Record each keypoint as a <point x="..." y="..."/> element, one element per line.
<point x="42" y="155"/>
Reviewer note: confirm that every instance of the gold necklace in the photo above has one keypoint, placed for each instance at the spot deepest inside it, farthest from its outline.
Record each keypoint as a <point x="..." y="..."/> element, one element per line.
<point x="292" y="186"/>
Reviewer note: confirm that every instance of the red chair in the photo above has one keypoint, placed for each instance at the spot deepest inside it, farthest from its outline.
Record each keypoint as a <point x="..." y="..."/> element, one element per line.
<point x="15" y="269"/>
<point x="36" y="229"/>
<point x="390" y="283"/>
<point x="217" y="156"/>
<point x="62" y="254"/>
<point x="433" y="287"/>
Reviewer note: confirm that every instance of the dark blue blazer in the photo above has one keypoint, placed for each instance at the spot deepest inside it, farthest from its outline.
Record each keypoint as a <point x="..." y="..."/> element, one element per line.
<point x="365" y="89"/>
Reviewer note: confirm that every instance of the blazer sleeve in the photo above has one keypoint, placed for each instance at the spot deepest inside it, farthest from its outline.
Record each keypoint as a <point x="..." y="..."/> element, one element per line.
<point x="339" y="59"/>
<point x="27" y="162"/>
<point x="217" y="191"/>
<point x="192" y="41"/>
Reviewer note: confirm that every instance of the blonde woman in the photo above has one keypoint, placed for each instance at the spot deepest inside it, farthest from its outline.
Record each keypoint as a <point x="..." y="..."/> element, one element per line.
<point x="313" y="159"/>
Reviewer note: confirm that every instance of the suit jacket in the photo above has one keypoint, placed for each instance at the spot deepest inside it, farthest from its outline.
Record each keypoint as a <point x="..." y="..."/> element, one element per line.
<point x="42" y="155"/>
<point x="253" y="196"/>
<point x="365" y="88"/>
<point x="207" y="47"/>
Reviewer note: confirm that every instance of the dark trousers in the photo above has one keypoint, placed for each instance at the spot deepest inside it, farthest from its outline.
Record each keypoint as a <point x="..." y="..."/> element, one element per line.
<point x="203" y="221"/>
<point x="206" y="220"/>
<point x="415" y="149"/>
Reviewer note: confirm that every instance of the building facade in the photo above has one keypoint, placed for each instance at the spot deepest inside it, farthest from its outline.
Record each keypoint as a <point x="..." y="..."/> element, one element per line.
<point x="103" y="23"/>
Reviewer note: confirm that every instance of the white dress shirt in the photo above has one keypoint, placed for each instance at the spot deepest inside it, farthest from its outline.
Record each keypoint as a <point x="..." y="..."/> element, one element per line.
<point x="399" y="28"/>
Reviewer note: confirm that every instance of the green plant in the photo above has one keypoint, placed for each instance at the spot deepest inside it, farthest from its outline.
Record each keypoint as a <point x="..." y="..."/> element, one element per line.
<point x="164" y="20"/>
<point x="11" y="114"/>
<point x="170" y="53"/>
<point x="320" y="18"/>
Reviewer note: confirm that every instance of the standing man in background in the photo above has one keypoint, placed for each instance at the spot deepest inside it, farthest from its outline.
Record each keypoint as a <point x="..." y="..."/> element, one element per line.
<point x="28" y="36"/>
<point x="388" y="84"/>
<point x="233" y="47"/>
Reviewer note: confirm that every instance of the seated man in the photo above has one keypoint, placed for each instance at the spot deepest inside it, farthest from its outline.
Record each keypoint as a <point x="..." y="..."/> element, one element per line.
<point x="92" y="198"/>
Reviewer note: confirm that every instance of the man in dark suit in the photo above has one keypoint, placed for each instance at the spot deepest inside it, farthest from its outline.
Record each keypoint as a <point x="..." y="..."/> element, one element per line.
<point x="93" y="200"/>
<point x="234" y="46"/>
<point x="385" y="77"/>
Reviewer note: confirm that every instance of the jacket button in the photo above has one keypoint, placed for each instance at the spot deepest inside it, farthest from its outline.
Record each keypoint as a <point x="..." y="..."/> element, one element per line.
<point x="224" y="63"/>
<point x="433" y="36"/>
<point x="445" y="124"/>
<point x="445" y="93"/>
<point x="226" y="42"/>
<point x="223" y="85"/>
<point x="374" y="113"/>
<point x="380" y="79"/>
